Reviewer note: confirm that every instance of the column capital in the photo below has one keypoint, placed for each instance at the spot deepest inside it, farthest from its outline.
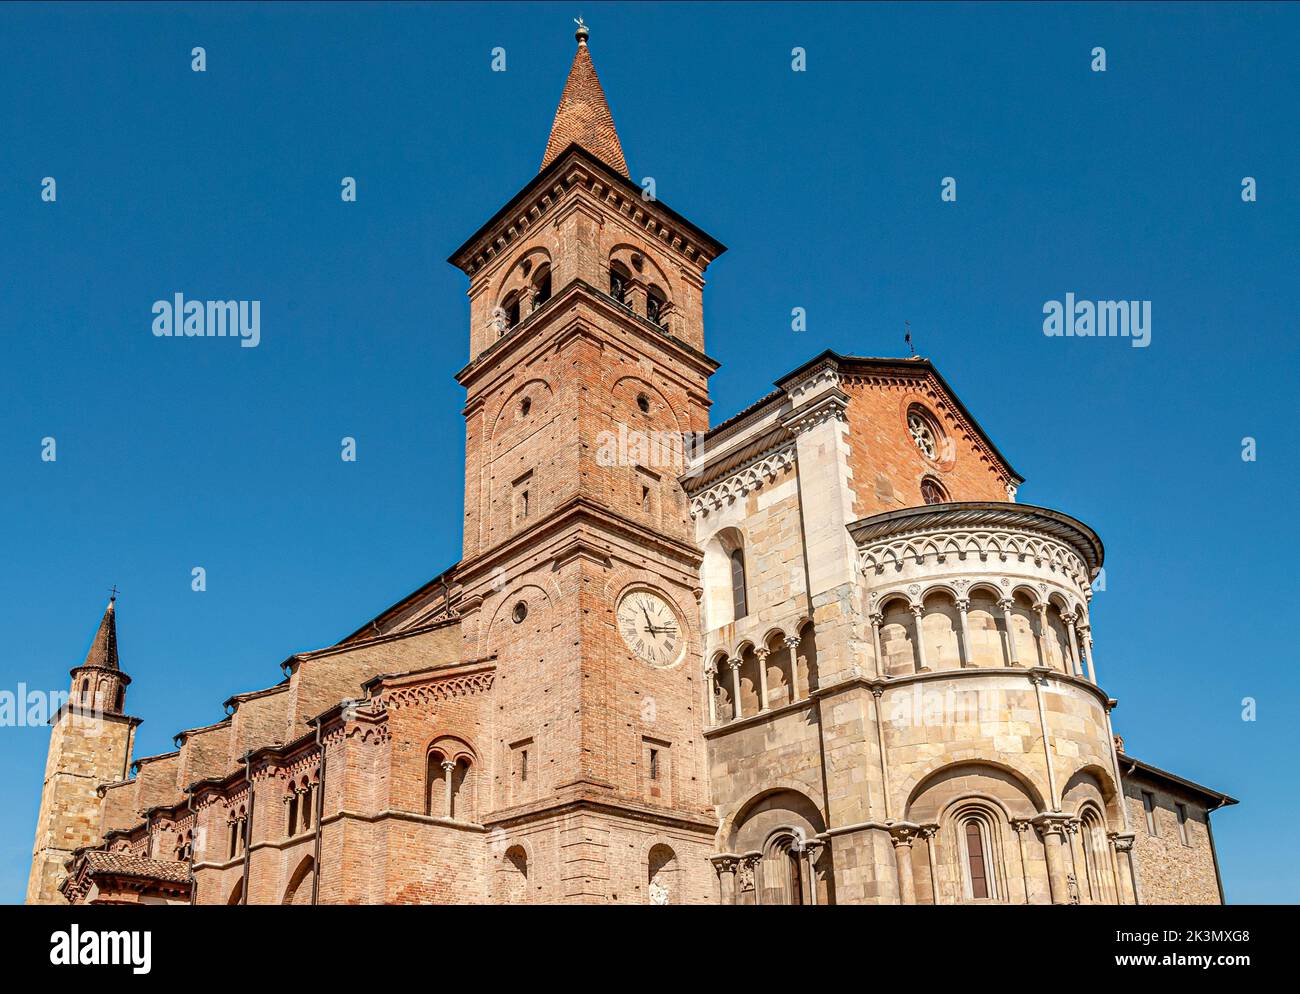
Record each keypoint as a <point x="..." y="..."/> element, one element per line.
<point x="762" y="653"/>
<point x="903" y="832"/>
<point x="726" y="862"/>
<point x="792" y="641"/>
<point x="1052" y="823"/>
<point x="448" y="765"/>
<point x="928" y="832"/>
<point x="734" y="663"/>
<point x="963" y="604"/>
<point x="1020" y="825"/>
<point x="1123" y="841"/>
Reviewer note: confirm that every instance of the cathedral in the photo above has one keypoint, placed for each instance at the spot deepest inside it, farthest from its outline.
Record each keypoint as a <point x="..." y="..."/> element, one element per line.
<point x="814" y="654"/>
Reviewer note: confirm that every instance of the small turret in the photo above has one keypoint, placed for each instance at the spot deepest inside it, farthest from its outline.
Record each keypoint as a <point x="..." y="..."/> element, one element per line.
<point x="90" y="744"/>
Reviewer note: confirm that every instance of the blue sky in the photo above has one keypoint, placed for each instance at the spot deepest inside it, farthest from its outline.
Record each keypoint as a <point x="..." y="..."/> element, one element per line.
<point x="826" y="185"/>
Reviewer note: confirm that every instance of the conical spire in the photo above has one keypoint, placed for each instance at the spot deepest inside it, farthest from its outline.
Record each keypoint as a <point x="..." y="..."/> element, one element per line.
<point x="103" y="650"/>
<point x="583" y="115"/>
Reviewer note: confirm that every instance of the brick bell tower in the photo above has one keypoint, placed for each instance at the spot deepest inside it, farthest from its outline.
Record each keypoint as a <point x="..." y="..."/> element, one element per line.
<point x="90" y="744"/>
<point x="580" y="574"/>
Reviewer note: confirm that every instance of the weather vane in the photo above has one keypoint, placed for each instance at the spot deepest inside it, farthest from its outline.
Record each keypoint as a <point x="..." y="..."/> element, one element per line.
<point x="583" y="30"/>
<point x="907" y="326"/>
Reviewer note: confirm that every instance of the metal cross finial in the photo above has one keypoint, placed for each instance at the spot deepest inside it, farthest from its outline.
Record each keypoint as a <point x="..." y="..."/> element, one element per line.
<point x="112" y="594"/>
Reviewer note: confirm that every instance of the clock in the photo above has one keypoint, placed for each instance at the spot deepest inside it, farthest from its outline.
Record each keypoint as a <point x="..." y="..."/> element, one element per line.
<point x="650" y="627"/>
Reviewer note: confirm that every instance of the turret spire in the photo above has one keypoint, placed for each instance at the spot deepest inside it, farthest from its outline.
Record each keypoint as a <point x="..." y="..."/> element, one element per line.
<point x="583" y="115"/>
<point x="103" y="650"/>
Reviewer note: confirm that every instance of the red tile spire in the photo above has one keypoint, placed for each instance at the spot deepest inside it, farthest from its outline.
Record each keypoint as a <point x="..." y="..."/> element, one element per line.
<point x="583" y="115"/>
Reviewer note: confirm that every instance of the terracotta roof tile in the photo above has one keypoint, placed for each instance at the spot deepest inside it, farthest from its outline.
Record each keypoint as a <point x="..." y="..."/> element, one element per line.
<point x="126" y="865"/>
<point x="583" y="116"/>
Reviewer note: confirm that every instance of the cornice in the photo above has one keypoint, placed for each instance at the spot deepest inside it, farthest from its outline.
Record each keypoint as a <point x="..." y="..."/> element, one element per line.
<point x="983" y="515"/>
<point x="578" y="170"/>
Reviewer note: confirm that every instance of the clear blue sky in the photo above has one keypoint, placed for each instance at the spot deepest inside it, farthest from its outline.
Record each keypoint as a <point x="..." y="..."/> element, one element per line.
<point x="177" y="453"/>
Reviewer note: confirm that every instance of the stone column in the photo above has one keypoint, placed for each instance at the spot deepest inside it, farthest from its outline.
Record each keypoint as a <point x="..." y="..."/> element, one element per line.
<point x="1078" y="861"/>
<point x="1069" y="620"/>
<point x="1007" y="604"/>
<point x="735" y="688"/>
<point x="813" y="849"/>
<point x="792" y="642"/>
<point x="902" y="834"/>
<point x="877" y="619"/>
<point x="1123" y="843"/>
<point x="917" y="611"/>
<point x="930" y="833"/>
<point x="725" y="864"/>
<point x="1042" y="635"/>
<point x="448" y="768"/>
<point x="1021" y="827"/>
<point x="1085" y="631"/>
<point x="1051" y="828"/>
<point x="967" y="656"/>
<point x="748" y="872"/>
<point x="710" y="682"/>
<point x="761" y="655"/>
<point x="1038" y="677"/>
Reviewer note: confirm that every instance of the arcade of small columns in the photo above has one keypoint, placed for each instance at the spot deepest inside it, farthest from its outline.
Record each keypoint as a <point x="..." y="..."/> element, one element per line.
<point x="730" y="691"/>
<point x="1073" y="657"/>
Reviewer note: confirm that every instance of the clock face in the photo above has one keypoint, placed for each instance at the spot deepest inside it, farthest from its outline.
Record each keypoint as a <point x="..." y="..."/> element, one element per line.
<point x="650" y="628"/>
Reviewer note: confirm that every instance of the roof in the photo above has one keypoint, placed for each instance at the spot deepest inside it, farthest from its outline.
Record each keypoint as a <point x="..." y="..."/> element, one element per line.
<point x="1130" y="764"/>
<point x="583" y="116"/>
<point x="125" y="865"/>
<point x="103" y="648"/>
<point x="854" y="363"/>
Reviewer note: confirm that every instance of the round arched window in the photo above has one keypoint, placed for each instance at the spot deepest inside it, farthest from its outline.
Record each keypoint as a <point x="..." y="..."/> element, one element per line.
<point x="932" y="491"/>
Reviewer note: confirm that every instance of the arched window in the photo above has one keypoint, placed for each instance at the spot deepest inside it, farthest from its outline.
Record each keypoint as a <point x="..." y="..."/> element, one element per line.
<point x="925" y="432"/>
<point x="739" y="600"/>
<point x="663" y="875"/>
<point x="511" y="308"/>
<point x="292" y="805"/>
<point x="1099" y="882"/>
<point x="85" y="691"/>
<point x="514" y="876"/>
<point x="977" y="868"/>
<point x="977" y="842"/>
<point x="121" y="699"/>
<point x="618" y="279"/>
<point x="435" y="801"/>
<point x="307" y="802"/>
<point x="932" y="491"/>
<point x="654" y="304"/>
<point x="542" y="287"/>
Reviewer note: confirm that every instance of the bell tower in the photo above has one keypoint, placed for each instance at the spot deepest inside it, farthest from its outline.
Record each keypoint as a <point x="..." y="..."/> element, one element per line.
<point x="587" y="383"/>
<point x="90" y="744"/>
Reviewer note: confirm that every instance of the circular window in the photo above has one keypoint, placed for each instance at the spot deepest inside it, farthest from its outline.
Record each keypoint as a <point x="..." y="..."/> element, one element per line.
<point x="932" y="491"/>
<point x="525" y="406"/>
<point x="925" y="433"/>
<point x="520" y="612"/>
<point x="643" y="402"/>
